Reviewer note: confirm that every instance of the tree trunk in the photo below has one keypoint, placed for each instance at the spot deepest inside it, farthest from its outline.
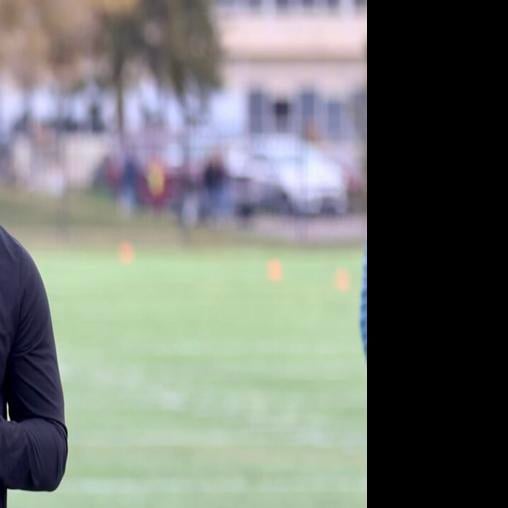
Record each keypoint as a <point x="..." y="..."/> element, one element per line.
<point x="120" y="103"/>
<point x="62" y="164"/>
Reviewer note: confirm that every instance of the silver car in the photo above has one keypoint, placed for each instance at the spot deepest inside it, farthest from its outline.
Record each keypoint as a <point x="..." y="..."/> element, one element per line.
<point x="291" y="175"/>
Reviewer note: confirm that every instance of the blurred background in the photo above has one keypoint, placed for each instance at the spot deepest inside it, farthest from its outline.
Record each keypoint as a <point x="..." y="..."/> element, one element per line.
<point x="190" y="176"/>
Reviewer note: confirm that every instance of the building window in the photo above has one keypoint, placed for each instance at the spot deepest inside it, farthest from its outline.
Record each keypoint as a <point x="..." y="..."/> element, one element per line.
<point x="282" y="115"/>
<point x="334" y="119"/>
<point x="257" y="107"/>
<point x="287" y="5"/>
<point x="360" y="112"/>
<point x="225" y="3"/>
<point x="282" y="4"/>
<point x="309" y="105"/>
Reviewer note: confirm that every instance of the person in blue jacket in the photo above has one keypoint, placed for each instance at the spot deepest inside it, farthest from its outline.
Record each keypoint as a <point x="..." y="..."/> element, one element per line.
<point x="363" y="307"/>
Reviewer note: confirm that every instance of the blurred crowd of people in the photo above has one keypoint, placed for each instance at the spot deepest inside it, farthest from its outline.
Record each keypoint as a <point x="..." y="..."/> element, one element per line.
<point x="205" y="193"/>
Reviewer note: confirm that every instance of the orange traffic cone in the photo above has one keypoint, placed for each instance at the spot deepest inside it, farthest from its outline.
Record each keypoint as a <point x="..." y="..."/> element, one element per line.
<point x="342" y="281"/>
<point x="126" y="253"/>
<point x="275" y="272"/>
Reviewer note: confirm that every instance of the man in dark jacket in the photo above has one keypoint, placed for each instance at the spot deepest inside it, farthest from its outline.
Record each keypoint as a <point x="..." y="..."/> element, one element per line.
<point x="215" y="181"/>
<point x="33" y="440"/>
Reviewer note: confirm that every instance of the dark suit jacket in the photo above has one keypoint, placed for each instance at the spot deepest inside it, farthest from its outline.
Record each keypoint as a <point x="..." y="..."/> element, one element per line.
<point x="33" y="440"/>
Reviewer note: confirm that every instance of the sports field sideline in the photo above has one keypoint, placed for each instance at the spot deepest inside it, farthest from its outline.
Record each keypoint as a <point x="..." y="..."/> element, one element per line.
<point x="193" y="381"/>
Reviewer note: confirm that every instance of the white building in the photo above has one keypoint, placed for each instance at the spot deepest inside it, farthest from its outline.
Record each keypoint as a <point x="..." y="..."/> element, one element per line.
<point x="293" y="66"/>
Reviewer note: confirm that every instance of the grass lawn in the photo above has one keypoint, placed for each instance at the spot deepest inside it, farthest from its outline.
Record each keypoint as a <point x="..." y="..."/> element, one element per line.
<point x="191" y="381"/>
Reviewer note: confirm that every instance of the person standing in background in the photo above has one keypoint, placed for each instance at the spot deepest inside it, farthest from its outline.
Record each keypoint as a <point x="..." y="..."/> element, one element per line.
<point x="215" y="182"/>
<point x="129" y="183"/>
<point x="188" y="199"/>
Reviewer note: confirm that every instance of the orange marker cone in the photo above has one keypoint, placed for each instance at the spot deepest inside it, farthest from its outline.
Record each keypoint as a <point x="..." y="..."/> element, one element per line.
<point x="126" y="253"/>
<point x="275" y="272"/>
<point x="342" y="281"/>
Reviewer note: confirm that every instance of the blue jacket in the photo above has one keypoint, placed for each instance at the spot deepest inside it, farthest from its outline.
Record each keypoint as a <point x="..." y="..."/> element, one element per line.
<point x="363" y="307"/>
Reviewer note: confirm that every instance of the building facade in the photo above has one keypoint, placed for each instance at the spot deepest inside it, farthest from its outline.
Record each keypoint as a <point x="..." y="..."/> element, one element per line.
<point x="294" y="66"/>
<point x="289" y="66"/>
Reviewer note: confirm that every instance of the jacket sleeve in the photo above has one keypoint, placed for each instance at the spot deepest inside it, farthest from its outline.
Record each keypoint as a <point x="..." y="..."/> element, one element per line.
<point x="363" y="307"/>
<point x="33" y="444"/>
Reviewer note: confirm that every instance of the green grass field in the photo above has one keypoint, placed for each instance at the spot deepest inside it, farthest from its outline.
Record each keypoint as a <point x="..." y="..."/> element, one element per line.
<point x="191" y="381"/>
